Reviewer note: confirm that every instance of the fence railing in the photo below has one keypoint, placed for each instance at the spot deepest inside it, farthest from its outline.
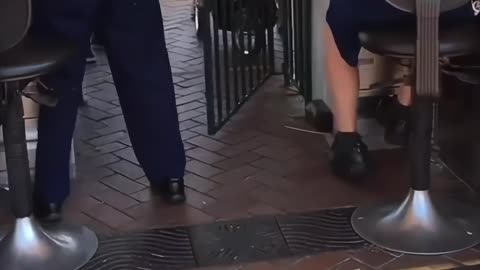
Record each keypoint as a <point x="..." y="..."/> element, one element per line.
<point x="238" y="42"/>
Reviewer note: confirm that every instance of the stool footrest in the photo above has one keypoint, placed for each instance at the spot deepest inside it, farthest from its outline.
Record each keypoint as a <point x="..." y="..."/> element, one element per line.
<point x="470" y="75"/>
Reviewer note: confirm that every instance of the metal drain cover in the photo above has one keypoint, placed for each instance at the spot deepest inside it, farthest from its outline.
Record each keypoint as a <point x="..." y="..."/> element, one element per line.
<point x="227" y="243"/>
<point x="238" y="242"/>
<point x="326" y="230"/>
<point x="151" y="250"/>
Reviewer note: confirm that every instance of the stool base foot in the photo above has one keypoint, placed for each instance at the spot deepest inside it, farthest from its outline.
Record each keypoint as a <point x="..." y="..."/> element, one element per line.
<point x="419" y="225"/>
<point x="59" y="247"/>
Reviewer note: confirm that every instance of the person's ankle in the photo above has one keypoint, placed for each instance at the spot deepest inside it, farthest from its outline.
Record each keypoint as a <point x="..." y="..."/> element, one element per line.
<point x="345" y="140"/>
<point x="349" y="156"/>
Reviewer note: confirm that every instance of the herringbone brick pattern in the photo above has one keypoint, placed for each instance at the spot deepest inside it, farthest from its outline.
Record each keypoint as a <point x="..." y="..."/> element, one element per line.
<point x="258" y="164"/>
<point x="254" y="166"/>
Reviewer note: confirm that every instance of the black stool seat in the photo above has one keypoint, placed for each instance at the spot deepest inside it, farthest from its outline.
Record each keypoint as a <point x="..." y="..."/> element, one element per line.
<point x="454" y="41"/>
<point x="32" y="58"/>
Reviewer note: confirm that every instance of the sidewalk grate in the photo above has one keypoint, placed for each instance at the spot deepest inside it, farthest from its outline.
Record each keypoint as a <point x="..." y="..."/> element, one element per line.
<point x="227" y="243"/>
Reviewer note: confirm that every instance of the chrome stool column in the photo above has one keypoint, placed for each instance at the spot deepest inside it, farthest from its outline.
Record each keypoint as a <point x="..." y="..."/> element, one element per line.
<point x="28" y="246"/>
<point x="420" y="224"/>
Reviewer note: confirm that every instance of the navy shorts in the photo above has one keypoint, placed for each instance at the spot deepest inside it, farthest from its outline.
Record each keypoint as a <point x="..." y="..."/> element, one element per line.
<point x="347" y="18"/>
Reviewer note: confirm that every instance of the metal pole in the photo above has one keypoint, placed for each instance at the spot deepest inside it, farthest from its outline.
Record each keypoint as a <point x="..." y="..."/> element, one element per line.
<point x="29" y="246"/>
<point x="20" y="184"/>
<point x="419" y="224"/>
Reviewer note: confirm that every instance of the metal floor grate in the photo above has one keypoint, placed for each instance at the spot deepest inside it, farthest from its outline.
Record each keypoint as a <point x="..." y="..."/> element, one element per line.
<point x="226" y="243"/>
<point x="319" y="232"/>
<point x="151" y="250"/>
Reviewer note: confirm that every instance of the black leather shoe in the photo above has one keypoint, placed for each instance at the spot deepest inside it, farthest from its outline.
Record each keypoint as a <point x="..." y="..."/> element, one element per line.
<point x="349" y="158"/>
<point x="172" y="190"/>
<point x="47" y="213"/>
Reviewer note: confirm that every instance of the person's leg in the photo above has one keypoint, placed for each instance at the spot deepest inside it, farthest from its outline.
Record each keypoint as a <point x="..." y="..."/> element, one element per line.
<point x="68" y="20"/>
<point x="136" y="49"/>
<point x="344" y="91"/>
<point x="345" y="19"/>
<point x="349" y="158"/>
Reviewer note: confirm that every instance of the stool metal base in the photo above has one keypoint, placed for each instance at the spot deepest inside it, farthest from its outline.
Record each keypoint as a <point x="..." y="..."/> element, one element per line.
<point x="419" y="226"/>
<point x="59" y="247"/>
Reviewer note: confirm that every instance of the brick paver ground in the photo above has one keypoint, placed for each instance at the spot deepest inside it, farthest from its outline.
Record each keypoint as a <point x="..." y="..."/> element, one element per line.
<point x="257" y="165"/>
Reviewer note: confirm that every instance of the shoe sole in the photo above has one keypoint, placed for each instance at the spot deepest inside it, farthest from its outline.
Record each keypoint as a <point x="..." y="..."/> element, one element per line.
<point x="176" y="200"/>
<point x="354" y="174"/>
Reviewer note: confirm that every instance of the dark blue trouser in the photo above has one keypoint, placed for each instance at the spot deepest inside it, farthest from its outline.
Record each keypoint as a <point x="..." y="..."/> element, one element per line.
<point x="135" y="44"/>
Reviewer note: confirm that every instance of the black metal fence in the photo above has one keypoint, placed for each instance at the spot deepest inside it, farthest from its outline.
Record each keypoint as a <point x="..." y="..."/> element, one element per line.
<point x="238" y="41"/>
<point x="296" y="29"/>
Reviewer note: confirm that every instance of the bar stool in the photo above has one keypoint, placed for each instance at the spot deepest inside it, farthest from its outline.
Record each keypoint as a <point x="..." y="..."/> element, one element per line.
<point x="29" y="246"/>
<point x="421" y="224"/>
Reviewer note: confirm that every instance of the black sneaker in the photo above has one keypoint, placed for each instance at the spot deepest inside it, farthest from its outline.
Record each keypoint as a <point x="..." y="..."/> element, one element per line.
<point x="349" y="156"/>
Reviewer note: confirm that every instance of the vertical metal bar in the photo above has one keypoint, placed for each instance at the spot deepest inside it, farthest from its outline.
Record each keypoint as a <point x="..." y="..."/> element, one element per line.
<point x="427" y="88"/>
<point x="226" y="56"/>
<point x="291" y="40"/>
<point x="16" y="154"/>
<point x="420" y="143"/>
<point x="435" y="158"/>
<point x="218" y="71"/>
<point x="263" y="16"/>
<point x="307" y="50"/>
<point x="231" y="20"/>
<point x="250" y="61"/>
<point x="264" y="63"/>
<point x="241" y="45"/>
<point x="271" y="48"/>
<point x="284" y="13"/>
<point x="428" y="12"/>
<point x="262" y="57"/>
<point x="206" y="36"/>
<point x="299" y="53"/>
<point x="286" y="41"/>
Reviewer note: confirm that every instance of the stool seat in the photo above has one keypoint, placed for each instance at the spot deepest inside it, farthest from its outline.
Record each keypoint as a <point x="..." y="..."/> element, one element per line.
<point x="454" y="41"/>
<point x="32" y="58"/>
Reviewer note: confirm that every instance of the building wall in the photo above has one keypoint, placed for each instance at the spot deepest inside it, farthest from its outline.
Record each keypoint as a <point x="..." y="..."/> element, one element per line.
<point x="319" y="84"/>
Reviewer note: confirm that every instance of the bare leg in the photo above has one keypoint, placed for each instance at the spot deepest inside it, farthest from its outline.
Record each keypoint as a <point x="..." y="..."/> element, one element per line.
<point x="344" y="86"/>
<point x="350" y="155"/>
<point x="404" y="95"/>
